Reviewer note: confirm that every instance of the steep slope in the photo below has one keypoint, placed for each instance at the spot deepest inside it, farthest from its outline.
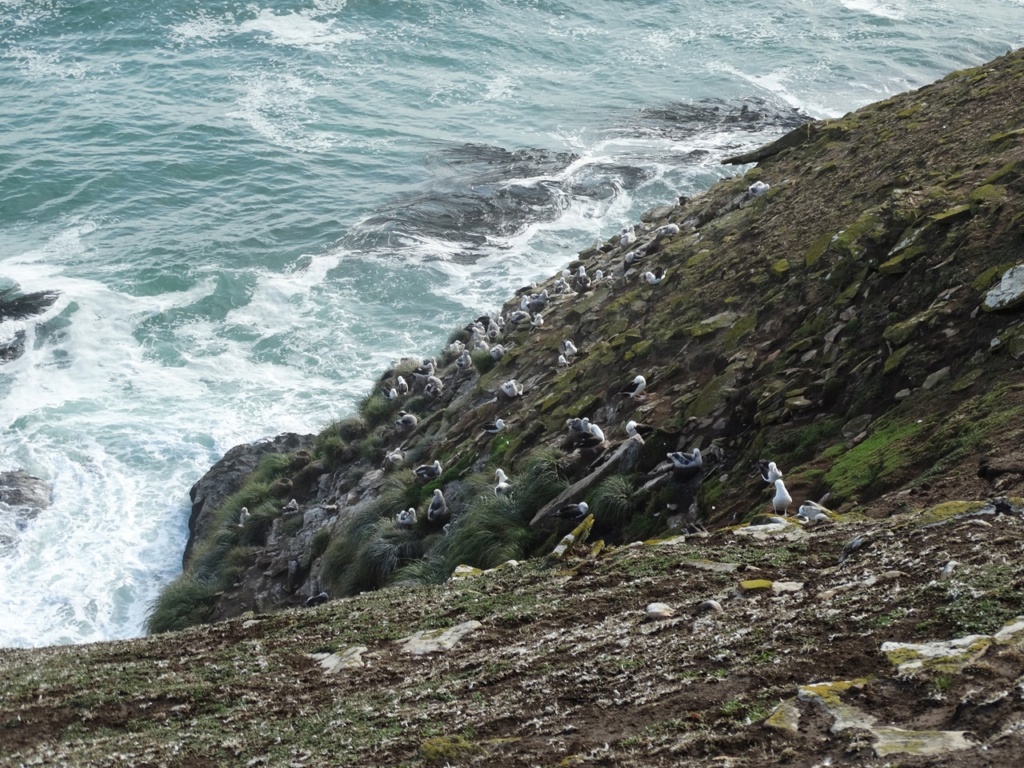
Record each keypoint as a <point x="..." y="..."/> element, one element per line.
<point x="858" y="322"/>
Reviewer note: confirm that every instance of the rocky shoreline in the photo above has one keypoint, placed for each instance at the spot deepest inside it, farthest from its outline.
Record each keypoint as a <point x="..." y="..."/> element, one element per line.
<point x="849" y="309"/>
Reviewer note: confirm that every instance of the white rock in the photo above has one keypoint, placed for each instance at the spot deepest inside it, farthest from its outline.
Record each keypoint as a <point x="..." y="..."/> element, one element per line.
<point x="659" y="611"/>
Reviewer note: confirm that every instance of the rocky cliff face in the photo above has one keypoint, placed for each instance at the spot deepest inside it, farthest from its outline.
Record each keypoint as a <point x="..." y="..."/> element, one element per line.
<point x="849" y="309"/>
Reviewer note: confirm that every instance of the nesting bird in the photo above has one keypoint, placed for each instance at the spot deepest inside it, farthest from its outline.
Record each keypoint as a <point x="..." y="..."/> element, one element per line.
<point x="494" y="427"/>
<point x="537" y="321"/>
<point x="638" y="430"/>
<point x="627" y="236"/>
<point x="243" y="517"/>
<point x="503" y="487"/>
<point x="497" y="352"/>
<point x="757" y="189"/>
<point x="406" y="518"/>
<point x="812" y="512"/>
<point x="511" y="389"/>
<point x="393" y="458"/>
<point x="582" y="280"/>
<point x="635" y="388"/>
<point x="465" y="361"/>
<point x="406" y="420"/>
<point x="562" y="362"/>
<point x="427" y="472"/>
<point x="434" y="387"/>
<point x="654" y="277"/>
<point x="402" y="385"/>
<point x="569" y="349"/>
<point x="782" y="499"/>
<point x="391" y="394"/>
<point x="572" y="511"/>
<point x="438" y="509"/>
<point x="686" y="465"/>
<point x="666" y="230"/>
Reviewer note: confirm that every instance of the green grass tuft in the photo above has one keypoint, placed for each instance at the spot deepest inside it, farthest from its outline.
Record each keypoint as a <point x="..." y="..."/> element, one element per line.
<point x="184" y="602"/>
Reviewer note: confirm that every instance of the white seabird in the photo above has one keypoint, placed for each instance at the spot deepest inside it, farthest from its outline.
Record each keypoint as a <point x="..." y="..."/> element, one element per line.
<point x="686" y="465"/>
<point x="438" y="509"/>
<point x="562" y="362"/>
<point x="503" y="487"/>
<point x="402" y="386"/>
<point x="634" y="388"/>
<point x="511" y="388"/>
<point x="394" y="458"/>
<point x="627" y="236"/>
<point x="770" y="473"/>
<point x="666" y="230"/>
<point x="493" y="427"/>
<point x="758" y="188"/>
<point x="406" y="420"/>
<point x="497" y="352"/>
<point x="464" y="361"/>
<point x="813" y="512"/>
<point x="538" y="320"/>
<point x="426" y="472"/>
<point x="654" y="277"/>
<point x="782" y="498"/>
<point x="582" y="280"/>
<point x="597" y="432"/>
<point x="519" y="316"/>
<point x="243" y="517"/>
<point x="434" y="387"/>
<point x="406" y="518"/>
<point x="638" y="430"/>
<point x="568" y="348"/>
<point x="391" y="394"/>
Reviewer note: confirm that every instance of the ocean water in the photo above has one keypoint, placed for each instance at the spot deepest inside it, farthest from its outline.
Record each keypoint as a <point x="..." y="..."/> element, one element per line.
<point x="250" y="209"/>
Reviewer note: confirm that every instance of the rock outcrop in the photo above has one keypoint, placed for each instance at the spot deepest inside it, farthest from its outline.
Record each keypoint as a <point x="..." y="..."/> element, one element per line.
<point x="22" y="497"/>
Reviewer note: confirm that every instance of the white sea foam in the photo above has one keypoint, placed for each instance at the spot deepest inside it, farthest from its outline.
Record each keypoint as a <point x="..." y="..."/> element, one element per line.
<point x="298" y="30"/>
<point x="202" y="27"/>
<point x="876" y="8"/>
<point x="39" y="64"/>
<point x="277" y="107"/>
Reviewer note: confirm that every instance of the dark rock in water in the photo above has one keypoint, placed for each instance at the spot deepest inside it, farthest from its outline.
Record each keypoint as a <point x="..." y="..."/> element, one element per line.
<point x="14" y="307"/>
<point x="227" y="475"/>
<point x="22" y="497"/>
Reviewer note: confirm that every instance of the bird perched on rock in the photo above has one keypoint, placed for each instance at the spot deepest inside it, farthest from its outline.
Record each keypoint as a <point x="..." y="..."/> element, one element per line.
<point x="782" y="499"/>
<point x="497" y="352"/>
<point x="757" y="189"/>
<point x="494" y="427"/>
<point x="427" y="472"/>
<point x="406" y="518"/>
<point x="519" y="316"/>
<point x="569" y="349"/>
<point x="438" y="509"/>
<point x="537" y="321"/>
<point x="770" y="472"/>
<point x="627" y="236"/>
<point x="537" y="301"/>
<point x="578" y="427"/>
<point x="582" y="280"/>
<point x="686" y="465"/>
<point x="406" y="420"/>
<point x="402" y="385"/>
<point x="243" y="517"/>
<point x="465" y="361"/>
<point x="634" y="388"/>
<point x="315" y="600"/>
<point x="597" y="432"/>
<point x="659" y="611"/>
<point x="654" y="277"/>
<point x="638" y="430"/>
<point x="857" y="543"/>
<point x="563" y="362"/>
<point x="391" y="394"/>
<point x="572" y="511"/>
<point x="666" y="230"/>
<point x="503" y="487"/>
<point x="511" y="389"/>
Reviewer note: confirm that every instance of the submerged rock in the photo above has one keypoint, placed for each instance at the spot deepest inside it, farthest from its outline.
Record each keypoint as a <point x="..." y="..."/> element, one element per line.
<point x="22" y="498"/>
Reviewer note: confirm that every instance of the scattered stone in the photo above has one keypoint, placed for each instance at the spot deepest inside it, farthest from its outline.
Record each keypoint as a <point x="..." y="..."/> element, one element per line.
<point x="755" y="585"/>
<point x="659" y="611"/>
<point x="786" y="587"/>
<point x="434" y="640"/>
<point x="1009" y="293"/>
<point x="856" y="425"/>
<point x="786" y="717"/>
<point x="350" y="658"/>
<point x="710" y="606"/>
<point x="464" y="572"/>
<point x="903" y="394"/>
<point x="935" y="378"/>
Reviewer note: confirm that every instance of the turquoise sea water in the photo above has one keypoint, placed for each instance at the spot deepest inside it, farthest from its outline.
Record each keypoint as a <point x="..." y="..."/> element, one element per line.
<point x="249" y="209"/>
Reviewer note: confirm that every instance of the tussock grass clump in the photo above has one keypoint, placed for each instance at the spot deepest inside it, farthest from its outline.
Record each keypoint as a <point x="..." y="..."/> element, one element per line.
<point x="482" y="361"/>
<point x="375" y="409"/>
<point x="615" y="501"/>
<point x="371" y="450"/>
<point x="331" y="449"/>
<point x="184" y="602"/>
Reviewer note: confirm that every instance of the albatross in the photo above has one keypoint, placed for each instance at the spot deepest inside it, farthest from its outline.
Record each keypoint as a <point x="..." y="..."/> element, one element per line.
<point x="426" y="472"/>
<point x="634" y="388"/>
<point x="686" y="465"/>
<point x="438" y="509"/>
<point x="782" y="499"/>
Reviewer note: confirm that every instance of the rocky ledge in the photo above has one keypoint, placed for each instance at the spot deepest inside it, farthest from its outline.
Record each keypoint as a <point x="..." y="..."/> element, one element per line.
<point x="848" y="310"/>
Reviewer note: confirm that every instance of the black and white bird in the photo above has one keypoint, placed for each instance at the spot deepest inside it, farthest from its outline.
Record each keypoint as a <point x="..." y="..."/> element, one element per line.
<point x="406" y="518"/>
<point x="406" y="420"/>
<point x="494" y="427"/>
<point x="770" y="472"/>
<point x="537" y="301"/>
<point x="655" y="276"/>
<point x="393" y="458"/>
<point x="813" y="512"/>
<point x="319" y="599"/>
<point x="569" y="349"/>
<point x="438" y="509"/>
<point x="563" y="362"/>
<point x="666" y="230"/>
<point x="572" y="511"/>
<point x="537" y="321"/>
<point x="402" y="385"/>
<point x="782" y="500"/>
<point x="503" y="487"/>
<point x="511" y="389"/>
<point x="627" y="236"/>
<point x="243" y="517"/>
<point x="464" y="362"/>
<point x="581" y="280"/>
<point x="391" y="394"/>
<point x="638" y="430"/>
<point x="597" y="432"/>
<point x="686" y="465"/>
<point x="634" y="388"/>
<point x="578" y="427"/>
<point x="426" y="369"/>
<point x="426" y="472"/>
